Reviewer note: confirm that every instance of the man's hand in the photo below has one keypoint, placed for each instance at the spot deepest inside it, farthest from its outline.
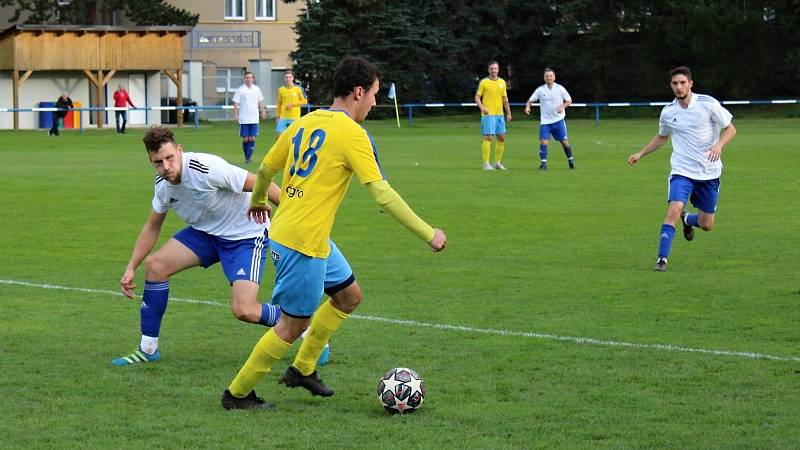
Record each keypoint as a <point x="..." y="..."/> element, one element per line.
<point x="126" y="284"/>
<point x="528" y="109"/>
<point x="508" y="117"/>
<point x="263" y="113"/>
<point x="715" y="152"/>
<point x="259" y="214"/>
<point x="439" y="240"/>
<point x="634" y="158"/>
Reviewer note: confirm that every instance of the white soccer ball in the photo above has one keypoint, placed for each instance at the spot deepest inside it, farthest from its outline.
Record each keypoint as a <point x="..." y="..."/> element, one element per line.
<point x="401" y="390"/>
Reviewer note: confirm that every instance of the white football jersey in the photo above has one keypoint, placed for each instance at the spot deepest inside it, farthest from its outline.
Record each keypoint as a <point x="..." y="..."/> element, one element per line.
<point x="550" y="99"/>
<point x="248" y="99"/>
<point x="209" y="197"/>
<point x="694" y="130"/>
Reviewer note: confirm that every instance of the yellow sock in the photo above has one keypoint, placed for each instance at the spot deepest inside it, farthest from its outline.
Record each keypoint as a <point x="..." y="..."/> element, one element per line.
<point x="269" y="349"/>
<point x="325" y="322"/>
<point x="486" y="148"/>
<point x="499" y="150"/>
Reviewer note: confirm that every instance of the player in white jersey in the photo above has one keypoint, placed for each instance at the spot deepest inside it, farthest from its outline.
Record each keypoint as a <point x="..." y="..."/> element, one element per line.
<point x="212" y="197"/>
<point x="248" y="106"/>
<point x="694" y="121"/>
<point x="553" y="101"/>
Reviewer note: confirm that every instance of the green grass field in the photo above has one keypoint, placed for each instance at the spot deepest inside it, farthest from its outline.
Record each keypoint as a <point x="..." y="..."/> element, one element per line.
<point x="542" y="325"/>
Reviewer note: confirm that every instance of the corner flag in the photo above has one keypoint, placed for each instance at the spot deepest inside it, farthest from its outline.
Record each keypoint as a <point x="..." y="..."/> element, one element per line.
<point x="393" y="95"/>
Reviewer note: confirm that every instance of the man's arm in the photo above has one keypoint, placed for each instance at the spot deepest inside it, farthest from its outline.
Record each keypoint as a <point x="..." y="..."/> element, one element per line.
<point x="262" y="109"/>
<point x="507" y="107"/>
<point x="651" y="146"/>
<point x="235" y="111"/>
<point x="273" y="192"/>
<point x="278" y="106"/>
<point x="715" y="152"/>
<point x="480" y="104"/>
<point x="392" y="203"/>
<point x="564" y="106"/>
<point x="260" y="210"/>
<point x="144" y="244"/>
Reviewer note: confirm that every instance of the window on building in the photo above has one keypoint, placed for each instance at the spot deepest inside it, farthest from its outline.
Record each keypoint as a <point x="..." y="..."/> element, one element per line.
<point x="229" y="79"/>
<point x="234" y="9"/>
<point x="265" y="9"/>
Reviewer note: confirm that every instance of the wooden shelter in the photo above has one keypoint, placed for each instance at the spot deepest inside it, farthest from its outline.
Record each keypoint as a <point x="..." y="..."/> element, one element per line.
<point x="98" y="51"/>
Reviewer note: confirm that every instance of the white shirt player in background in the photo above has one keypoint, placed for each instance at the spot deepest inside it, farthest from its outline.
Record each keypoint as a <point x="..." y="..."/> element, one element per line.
<point x="212" y="197"/>
<point x="248" y="104"/>
<point x="553" y="101"/>
<point x="694" y="121"/>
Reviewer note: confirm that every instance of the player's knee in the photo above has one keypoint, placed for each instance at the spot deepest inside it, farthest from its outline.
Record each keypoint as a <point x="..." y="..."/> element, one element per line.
<point x="544" y="141"/>
<point x="155" y="269"/>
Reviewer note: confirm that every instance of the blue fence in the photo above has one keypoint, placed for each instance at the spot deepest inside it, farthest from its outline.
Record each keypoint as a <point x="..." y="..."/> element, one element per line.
<point x="409" y="107"/>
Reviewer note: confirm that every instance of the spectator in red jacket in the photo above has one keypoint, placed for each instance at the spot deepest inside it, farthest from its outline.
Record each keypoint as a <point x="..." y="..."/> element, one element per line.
<point x="121" y="100"/>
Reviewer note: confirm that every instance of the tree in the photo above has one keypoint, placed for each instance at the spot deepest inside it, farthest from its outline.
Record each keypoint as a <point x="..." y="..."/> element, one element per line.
<point x="78" y="12"/>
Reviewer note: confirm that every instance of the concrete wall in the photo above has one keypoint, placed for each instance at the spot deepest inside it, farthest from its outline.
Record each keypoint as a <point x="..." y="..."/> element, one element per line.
<point x="47" y="87"/>
<point x="41" y="87"/>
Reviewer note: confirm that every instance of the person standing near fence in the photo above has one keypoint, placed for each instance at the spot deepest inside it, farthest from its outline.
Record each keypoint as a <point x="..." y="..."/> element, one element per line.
<point x="694" y="121"/>
<point x="492" y="99"/>
<point x="553" y="101"/>
<point x="248" y="102"/>
<point x="122" y="100"/>
<point x="290" y="98"/>
<point x="64" y="104"/>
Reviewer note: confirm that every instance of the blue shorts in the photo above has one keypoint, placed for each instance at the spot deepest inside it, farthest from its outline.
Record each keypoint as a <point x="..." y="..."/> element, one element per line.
<point x="558" y="130"/>
<point x="300" y="280"/>
<point x="241" y="260"/>
<point x="248" y="129"/>
<point x="493" y="125"/>
<point x="283" y="124"/>
<point x="703" y="193"/>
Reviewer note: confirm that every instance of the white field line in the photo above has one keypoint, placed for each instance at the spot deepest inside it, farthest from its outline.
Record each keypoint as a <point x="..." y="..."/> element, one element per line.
<point x="439" y="326"/>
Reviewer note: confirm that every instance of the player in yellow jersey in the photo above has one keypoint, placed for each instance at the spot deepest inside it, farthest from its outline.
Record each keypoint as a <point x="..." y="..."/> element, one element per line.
<point x="318" y="155"/>
<point x="290" y="98"/>
<point x="492" y="100"/>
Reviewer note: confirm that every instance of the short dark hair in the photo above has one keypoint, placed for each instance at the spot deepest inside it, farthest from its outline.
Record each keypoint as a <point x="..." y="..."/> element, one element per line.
<point x="352" y="72"/>
<point x="492" y="62"/>
<point x="547" y="69"/>
<point x="682" y="70"/>
<point x="157" y="136"/>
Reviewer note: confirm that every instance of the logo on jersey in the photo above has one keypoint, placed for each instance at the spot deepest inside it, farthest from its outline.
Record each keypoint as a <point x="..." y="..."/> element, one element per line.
<point x="241" y="272"/>
<point x="275" y="256"/>
<point x="172" y="200"/>
<point x="292" y="191"/>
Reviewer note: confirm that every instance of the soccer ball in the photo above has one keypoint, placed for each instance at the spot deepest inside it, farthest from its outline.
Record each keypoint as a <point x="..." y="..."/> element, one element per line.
<point x="401" y="390"/>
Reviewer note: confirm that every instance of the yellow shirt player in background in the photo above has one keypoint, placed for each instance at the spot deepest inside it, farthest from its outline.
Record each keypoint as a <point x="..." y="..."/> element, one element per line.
<point x="492" y="100"/>
<point x="290" y="98"/>
<point x="318" y="155"/>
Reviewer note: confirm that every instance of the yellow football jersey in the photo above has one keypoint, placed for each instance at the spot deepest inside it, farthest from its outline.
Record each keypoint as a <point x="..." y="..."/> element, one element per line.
<point x="319" y="153"/>
<point x="293" y="95"/>
<point x="492" y="93"/>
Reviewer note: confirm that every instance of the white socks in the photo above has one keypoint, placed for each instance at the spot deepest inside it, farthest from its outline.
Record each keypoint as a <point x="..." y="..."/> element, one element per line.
<point x="149" y="344"/>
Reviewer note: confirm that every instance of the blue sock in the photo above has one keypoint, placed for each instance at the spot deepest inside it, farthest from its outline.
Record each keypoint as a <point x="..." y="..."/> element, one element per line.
<point x="251" y="146"/>
<point x="543" y="152"/>
<point x="154" y="304"/>
<point x="269" y="315"/>
<point x="665" y="241"/>
<point x="245" y="147"/>
<point x="568" y="151"/>
<point x="692" y="219"/>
